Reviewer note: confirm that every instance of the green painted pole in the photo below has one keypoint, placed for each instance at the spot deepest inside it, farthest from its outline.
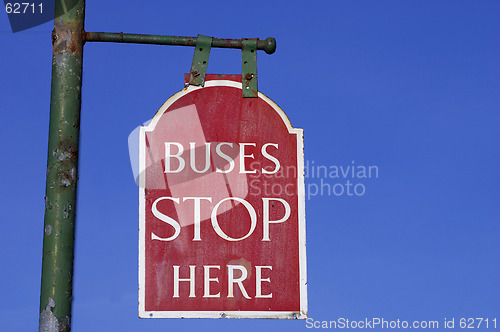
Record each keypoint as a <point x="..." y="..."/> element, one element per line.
<point x="268" y="45"/>
<point x="62" y="171"/>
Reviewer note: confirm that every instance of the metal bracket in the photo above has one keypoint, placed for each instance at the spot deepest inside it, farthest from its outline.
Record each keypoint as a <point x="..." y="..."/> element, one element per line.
<point x="200" y="60"/>
<point x="249" y="68"/>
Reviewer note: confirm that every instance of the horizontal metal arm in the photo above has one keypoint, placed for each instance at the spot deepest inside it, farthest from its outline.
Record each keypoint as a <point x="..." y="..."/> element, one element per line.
<point x="268" y="45"/>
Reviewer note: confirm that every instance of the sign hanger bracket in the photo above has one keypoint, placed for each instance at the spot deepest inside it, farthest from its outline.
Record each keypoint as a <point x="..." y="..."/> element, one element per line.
<point x="249" y="68"/>
<point x="200" y="60"/>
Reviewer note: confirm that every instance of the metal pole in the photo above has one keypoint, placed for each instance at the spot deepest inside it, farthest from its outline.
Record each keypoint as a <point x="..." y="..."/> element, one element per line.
<point x="62" y="171"/>
<point x="268" y="45"/>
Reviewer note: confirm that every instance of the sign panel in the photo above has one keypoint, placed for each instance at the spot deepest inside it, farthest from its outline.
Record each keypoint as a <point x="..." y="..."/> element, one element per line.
<point x="222" y="215"/>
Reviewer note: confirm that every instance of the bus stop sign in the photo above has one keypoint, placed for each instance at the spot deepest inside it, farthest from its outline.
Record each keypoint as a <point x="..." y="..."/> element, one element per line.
<point x="222" y="207"/>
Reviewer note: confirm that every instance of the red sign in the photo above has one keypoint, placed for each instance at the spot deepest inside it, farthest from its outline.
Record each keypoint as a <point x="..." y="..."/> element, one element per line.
<point x="222" y="215"/>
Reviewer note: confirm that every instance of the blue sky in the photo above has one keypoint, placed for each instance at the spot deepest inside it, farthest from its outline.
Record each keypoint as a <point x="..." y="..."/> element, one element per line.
<point x="410" y="87"/>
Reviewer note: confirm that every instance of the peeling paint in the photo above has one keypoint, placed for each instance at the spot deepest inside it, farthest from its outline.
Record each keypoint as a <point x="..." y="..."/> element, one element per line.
<point x="67" y="211"/>
<point x="64" y="155"/>
<point x="242" y="262"/>
<point x="72" y="173"/>
<point x="69" y="177"/>
<point x="48" y="230"/>
<point x="48" y="321"/>
<point x="47" y="203"/>
<point x="61" y="62"/>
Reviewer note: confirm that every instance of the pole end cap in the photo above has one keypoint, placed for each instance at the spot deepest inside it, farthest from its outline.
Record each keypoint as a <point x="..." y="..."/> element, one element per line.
<point x="270" y="46"/>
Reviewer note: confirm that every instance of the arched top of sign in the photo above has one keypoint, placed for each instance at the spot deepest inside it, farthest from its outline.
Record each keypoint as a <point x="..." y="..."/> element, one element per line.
<point x="223" y="83"/>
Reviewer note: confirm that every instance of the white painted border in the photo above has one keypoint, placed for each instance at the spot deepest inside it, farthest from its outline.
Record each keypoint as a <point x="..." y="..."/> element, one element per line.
<point x="302" y="314"/>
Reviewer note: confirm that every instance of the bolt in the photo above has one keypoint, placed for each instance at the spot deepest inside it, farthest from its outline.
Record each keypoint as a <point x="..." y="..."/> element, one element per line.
<point x="249" y="76"/>
<point x="195" y="73"/>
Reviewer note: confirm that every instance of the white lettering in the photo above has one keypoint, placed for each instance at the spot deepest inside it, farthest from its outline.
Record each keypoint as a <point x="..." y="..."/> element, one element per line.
<point x="225" y="157"/>
<point x="243" y="156"/>
<point x="197" y="215"/>
<point x="259" y="280"/>
<point x="190" y="279"/>
<point x="165" y="219"/>
<point x="273" y="159"/>
<point x="267" y="204"/>
<point x="251" y="211"/>
<point x="265" y="216"/>
<point x="239" y="281"/>
<point x="208" y="279"/>
<point x="192" y="154"/>
<point x="168" y="155"/>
